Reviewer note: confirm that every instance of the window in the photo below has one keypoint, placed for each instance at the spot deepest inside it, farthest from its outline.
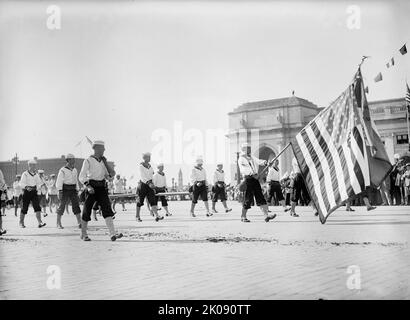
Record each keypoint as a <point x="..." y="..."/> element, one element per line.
<point x="402" y="139"/>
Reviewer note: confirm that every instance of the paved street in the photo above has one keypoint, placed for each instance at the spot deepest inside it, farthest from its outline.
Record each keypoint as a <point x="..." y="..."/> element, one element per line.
<point x="211" y="258"/>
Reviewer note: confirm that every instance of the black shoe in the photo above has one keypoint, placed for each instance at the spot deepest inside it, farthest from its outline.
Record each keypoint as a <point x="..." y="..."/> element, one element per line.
<point x="294" y="215"/>
<point x="2" y="232"/>
<point x="245" y="220"/>
<point x="119" y="235"/>
<point x="113" y="238"/>
<point x="316" y="214"/>
<point x="192" y="215"/>
<point x="43" y="224"/>
<point x="138" y="219"/>
<point x="270" y="217"/>
<point x="228" y="210"/>
<point x="350" y="209"/>
<point x="45" y="215"/>
<point x="159" y="218"/>
<point x="86" y="238"/>
<point x="60" y="227"/>
<point x="287" y="209"/>
<point x="371" y="208"/>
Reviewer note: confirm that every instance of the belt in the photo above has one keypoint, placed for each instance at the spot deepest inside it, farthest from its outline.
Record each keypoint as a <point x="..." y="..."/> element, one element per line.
<point x="96" y="183"/>
<point x="273" y="181"/>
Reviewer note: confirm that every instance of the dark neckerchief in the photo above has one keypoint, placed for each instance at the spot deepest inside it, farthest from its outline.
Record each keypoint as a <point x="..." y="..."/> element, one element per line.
<point x="93" y="156"/>
<point x="147" y="166"/>
<point x="199" y="168"/>
<point x="31" y="173"/>
<point x="67" y="167"/>
<point x="221" y="171"/>
<point x="161" y="173"/>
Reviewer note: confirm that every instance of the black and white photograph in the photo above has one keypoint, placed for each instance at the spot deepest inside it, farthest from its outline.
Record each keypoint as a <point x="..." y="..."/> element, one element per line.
<point x="226" y="151"/>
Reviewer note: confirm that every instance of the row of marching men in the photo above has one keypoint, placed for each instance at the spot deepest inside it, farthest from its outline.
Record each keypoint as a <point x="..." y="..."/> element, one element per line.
<point x="95" y="170"/>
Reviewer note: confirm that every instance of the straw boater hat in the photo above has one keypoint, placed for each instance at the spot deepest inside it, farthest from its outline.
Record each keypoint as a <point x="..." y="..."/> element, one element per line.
<point x="199" y="160"/>
<point x="40" y="171"/>
<point x="245" y="145"/>
<point x="160" y="165"/>
<point x="98" y="143"/>
<point x="32" y="161"/>
<point x="69" y="156"/>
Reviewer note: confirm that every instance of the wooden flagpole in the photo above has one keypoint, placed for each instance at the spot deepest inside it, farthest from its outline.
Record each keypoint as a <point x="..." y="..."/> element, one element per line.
<point x="276" y="157"/>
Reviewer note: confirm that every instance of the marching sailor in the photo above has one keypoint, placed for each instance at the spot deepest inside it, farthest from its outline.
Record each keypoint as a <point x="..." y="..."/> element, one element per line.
<point x="275" y="188"/>
<point x="160" y="183"/>
<point x="17" y="193"/>
<point x="93" y="173"/>
<point x="146" y="188"/>
<point x="2" y="189"/>
<point x="67" y="186"/>
<point x="248" y="166"/>
<point x="31" y="182"/>
<point x="52" y="192"/>
<point x="118" y="189"/>
<point x="199" y="187"/>
<point x="218" y="189"/>
<point x="42" y="193"/>
<point x="299" y="190"/>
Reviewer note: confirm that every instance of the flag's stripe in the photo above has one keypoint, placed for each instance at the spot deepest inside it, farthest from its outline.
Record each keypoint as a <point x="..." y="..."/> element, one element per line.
<point x="340" y="171"/>
<point x="314" y="163"/>
<point x="348" y="156"/>
<point x="321" y="149"/>
<point x="346" y="173"/>
<point x="315" y="186"/>
<point x="360" y="153"/>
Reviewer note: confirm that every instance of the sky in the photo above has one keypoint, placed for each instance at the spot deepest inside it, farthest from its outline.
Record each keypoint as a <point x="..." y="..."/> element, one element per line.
<point x="128" y="71"/>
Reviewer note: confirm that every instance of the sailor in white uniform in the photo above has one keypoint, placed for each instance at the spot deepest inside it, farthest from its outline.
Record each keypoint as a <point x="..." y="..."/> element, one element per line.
<point x="218" y="189"/>
<point x="93" y="173"/>
<point x="31" y="182"/>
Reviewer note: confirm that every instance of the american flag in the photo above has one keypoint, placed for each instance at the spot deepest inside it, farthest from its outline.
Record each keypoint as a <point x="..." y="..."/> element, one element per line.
<point x="333" y="151"/>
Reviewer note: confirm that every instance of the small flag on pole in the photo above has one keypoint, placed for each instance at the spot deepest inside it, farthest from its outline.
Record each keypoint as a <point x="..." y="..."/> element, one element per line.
<point x="78" y="143"/>
<point x="378" y="78"/>
<point x="403" y="49"/>
<point x="390" y="63"/>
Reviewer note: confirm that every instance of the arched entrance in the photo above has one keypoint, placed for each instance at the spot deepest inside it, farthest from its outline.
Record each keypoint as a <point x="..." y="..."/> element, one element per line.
<point x="268" y="154"/>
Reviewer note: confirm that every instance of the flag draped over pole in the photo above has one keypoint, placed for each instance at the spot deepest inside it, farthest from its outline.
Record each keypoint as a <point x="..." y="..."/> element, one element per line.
<point x="339" y="152"/>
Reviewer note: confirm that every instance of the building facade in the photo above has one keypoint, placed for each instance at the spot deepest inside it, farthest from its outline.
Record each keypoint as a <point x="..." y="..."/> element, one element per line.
<point x="389" y="117"/>
<point x="50" y="166"/>
<point x="270" y="125"/>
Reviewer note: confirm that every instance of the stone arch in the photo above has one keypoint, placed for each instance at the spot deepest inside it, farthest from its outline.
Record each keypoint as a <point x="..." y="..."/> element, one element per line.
<point x="265" y="152"/>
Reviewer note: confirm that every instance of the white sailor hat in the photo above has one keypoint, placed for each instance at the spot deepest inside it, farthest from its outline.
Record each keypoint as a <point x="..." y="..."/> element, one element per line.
<point x="40" y="171"/>
<point x="69" y="156"/>
<point x="199" y="160"/>
<point x="245" y="145"/>
<point x="146" y="154"/>
<point x="98" y="143"/>
<point x="397" y="156"/>
<point x="160" y="165"/>
<point x="32" y="161"/>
